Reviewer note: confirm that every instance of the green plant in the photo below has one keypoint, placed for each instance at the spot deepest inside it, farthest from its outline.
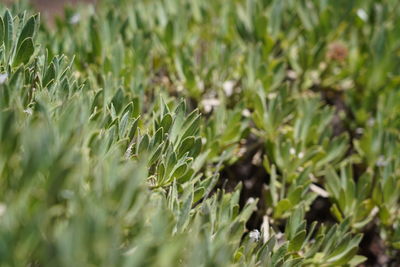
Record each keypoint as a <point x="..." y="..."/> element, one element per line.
<point x="142" y="134"/>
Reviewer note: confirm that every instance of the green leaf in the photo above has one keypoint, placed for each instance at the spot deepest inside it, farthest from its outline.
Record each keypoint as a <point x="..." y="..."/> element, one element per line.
<point x="357" y="260"/>
<point x="179" y="171"/>
<point x="49" y="76"/>
<point x="8" y="30"/>
<point x="295" y="196"/>
<point x="297" y="242"/>
<point x="186" y="145"/>
<point x="96" y="42"/>
<point x="276" y="17"/>
<point x="156" y="154"/>
<point x="336" y="212"/>
<point x="144" y="144"/>
<point x="272" y="186"/>
<point x="279" y="254"/>
<point x="283" y="206"/>
<point x="133" y="128"/>
<point x="2" y="30"/>
<point x="184" y="214"/>
<point x="396" y="245"/>
<point x="198" y="194"/>
<point x="24" y="52"/>
<point x="196" y="148"/>
<point x="27" y="31"/>
<point x="347" y="248"/>
<point x="166" y="122"/>
<point x="158" y="137"/>
<point x="293" y="262"/>
<point x="193" y="128"/>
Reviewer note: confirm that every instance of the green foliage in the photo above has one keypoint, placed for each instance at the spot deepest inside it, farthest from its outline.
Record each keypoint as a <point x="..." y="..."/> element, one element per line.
<point x="121" y="124"/>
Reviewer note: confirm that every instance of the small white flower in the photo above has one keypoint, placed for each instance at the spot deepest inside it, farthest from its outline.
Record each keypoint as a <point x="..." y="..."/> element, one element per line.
<point x="362" y="14"/>
<point x="272" y="96"/>
<point x="314" y="76"/>
<point x="257" y="160"/>
<point x="208" y="104"/>
<point x="250" y="200"/>
<point x="291" y="74"/>
<point x="75" y="18"/>
<point x="292" y="151"/>
<point x="28" y="111"/>
<point x="3" y="209"/>
<point x="371" y="122"/>
<point x="254" y="235"/>
<point x="180" y="88"/>
<point x="347" y="84"/>
<point x="3" y="78"/>
<point x="246" y="113"/>
<point x="300" y="155"/>
<point x="359" y="130"/>
<point x="228" y="87"/>
<point x="321" y="66"/>
<point x="381" y="162"/>
<point x="203" y="141"/>
<point x="200" y="85"/>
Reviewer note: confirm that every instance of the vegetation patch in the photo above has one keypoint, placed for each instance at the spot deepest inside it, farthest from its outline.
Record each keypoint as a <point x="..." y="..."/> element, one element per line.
<point x="201" y="133"/>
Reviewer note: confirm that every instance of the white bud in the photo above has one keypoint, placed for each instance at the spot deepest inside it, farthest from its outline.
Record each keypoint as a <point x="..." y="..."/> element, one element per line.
<point x="28" y="111"/>
<point x="209" y="104"/>
<point x="371" y="122"/>
<point x="254" y="235"/>
<point x="250" y="200"/>
<point x="3" y="209"/>
<point x="381" y="162"/>
<point x="246" y="113"/>
<point x="359" y="131"/>
<point x="228" y="87"/>
<point x="3" y="77"/>
<point x="291" y="74"/>
<point x="362" y="14"/>
<point x="75" y="18"/>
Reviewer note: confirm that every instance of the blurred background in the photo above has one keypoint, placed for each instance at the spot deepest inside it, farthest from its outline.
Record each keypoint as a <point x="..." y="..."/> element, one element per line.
<point x="51" y="7"/>
<point x="55" y="5"/>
